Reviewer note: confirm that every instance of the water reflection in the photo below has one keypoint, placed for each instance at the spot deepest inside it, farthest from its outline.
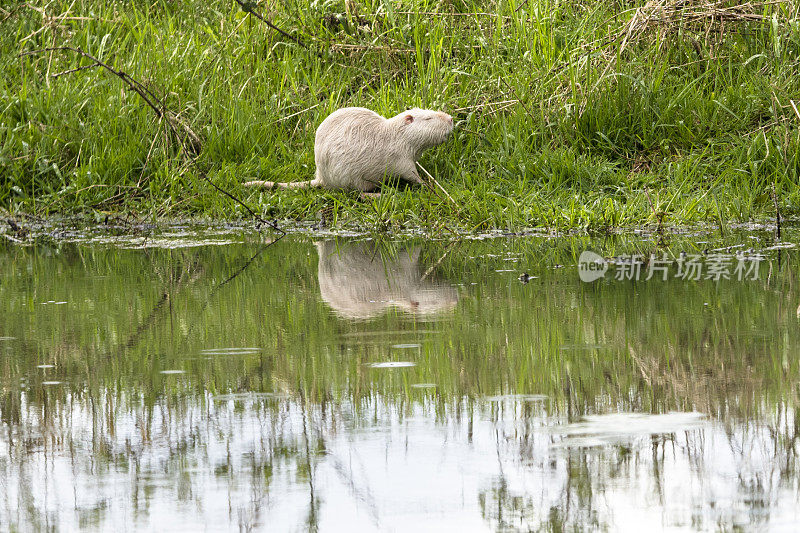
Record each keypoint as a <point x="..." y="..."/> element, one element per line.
<point x="363" y="279"/>
<point x="213" y="387"/>
<point x="598" y="430"/>
<point x="266" y="462"/>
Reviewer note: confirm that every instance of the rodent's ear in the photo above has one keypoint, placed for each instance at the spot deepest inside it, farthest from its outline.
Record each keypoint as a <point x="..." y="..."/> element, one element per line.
<point x="409" y="119"/>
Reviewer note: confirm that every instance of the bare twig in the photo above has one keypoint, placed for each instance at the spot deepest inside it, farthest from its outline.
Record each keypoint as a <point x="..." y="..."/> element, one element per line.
<point x="249" y="7"/>
<point x="70" y="71"/>
<point x="153" y="101"/>
<point x="503" y="103"/>
<point x="796" y="112"/>
<point x="287" y="117"/>
<point x="433" y="180"/>
<point x="777" y="213"/>
<point x="372" y="48"/>
<point x="494" y="111"/>
<point x="659" y="217"/>
<point x="271" y="224"/>
<point x="189" y="142"/>
<point x="437" y="263"/>
<point x="8" y="14"/>
<point x="446" y="14"/>
<point x="524" y="105"/>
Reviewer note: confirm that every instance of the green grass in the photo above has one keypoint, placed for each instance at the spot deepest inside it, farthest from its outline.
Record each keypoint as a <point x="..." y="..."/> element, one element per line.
<point x="619" y="120"/>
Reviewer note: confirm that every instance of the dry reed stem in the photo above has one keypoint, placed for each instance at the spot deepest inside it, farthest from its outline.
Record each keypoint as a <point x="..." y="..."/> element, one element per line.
<point x="673" y="14"/>
<point x="433" y="180"/>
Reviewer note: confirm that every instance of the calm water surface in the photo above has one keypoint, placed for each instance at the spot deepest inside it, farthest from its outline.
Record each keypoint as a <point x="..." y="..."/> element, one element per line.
<point x="345" y="384"/>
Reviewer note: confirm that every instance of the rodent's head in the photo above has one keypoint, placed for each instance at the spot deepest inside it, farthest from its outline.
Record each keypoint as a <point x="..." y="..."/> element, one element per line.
<point x="423" y="128"/>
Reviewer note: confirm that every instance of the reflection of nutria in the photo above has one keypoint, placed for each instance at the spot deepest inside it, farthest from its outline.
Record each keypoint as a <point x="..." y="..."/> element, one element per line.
<point x="357" y="281"/>
<point x="356" y="148"/>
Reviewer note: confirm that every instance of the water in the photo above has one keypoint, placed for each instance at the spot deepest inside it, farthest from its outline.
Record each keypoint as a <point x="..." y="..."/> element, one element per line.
<point x="170" y="383"/>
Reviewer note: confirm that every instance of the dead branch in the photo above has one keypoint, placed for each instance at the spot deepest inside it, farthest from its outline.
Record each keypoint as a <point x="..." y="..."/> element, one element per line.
<point x="70" y="71"/>
<point x="703" y="13"/>
<point x="480" y="107"/>
<point x="189" y="142"/>
<point x="434" y="182"/>
<point x="339" y="47"/>
<point x="249" y="7"/>
<point x="154" y="102"/>
<point x="670" y="16"/>
<point x="253" y="214"/>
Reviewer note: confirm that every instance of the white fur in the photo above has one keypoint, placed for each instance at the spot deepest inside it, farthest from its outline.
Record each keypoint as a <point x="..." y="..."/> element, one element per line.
<point x="356" y="148"/>
<point x="358" y="281"/>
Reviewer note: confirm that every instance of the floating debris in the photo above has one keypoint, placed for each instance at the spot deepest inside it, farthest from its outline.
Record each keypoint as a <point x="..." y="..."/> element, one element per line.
<point x="517" y="398"/>
<point x="230" y="351"/>
<point x="782" y="246"/>
<point x="582" y="347"/>
<point x="167" y="242"/>
<point x="242" y="396"/>
<point x="385" y="333"/>
<point x="392" y="364"/>
<point x="601" y="430"/>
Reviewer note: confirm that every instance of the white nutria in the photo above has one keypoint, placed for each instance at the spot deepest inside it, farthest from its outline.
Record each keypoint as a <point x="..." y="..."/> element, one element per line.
<point x="356" y="148"/>
<point x="360" y="280"/>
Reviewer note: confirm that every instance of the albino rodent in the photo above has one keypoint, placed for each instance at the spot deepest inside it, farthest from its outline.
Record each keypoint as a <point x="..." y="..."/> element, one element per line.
<point x="361" y="280"/>
<point x="356" y="148"/>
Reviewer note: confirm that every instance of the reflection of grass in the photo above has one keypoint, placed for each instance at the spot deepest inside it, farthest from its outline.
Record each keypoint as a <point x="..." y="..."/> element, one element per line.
<point x="651" y="345"/>
<point x="689" y="101"/>
<point x="602" y="347"/>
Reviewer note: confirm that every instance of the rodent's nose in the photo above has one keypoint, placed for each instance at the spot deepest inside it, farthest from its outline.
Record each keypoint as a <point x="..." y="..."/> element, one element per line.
<point x="447" y="117"/>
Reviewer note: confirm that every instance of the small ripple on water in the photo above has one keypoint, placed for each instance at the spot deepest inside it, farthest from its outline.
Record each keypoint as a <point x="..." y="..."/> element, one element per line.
<point x="582" y="346"/>
<point x="392" y="364"/>
<point x="242" y="396"/>
<point x="600" y="430"/>
<point x="167" y="242"/>
<point x="230" y="351"/>
<point x="517" y="398"/>
<point x="387" y="333"/>
<point x="173" y="372"/>
<point x="406" y="346"/>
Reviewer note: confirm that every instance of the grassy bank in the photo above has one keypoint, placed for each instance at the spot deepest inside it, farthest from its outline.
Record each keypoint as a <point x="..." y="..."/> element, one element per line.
<point x="569" y="114"/>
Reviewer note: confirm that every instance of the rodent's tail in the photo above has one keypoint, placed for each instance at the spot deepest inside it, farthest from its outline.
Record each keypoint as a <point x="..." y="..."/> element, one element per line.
<point x="276" y="184"/>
